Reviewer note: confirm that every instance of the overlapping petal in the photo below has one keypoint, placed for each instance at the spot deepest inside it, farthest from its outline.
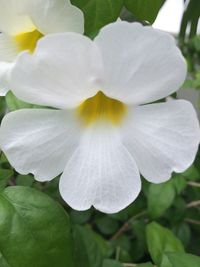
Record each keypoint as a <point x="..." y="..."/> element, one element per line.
<point x="13" y="19"/>
<point x="61" y="73"/>
<point x="119" y="62"/>
<point x="39" y="141"/>
<point x="52" y="16"/>
<point x="49" y="16"/>
<point x="162" y="138"/>
<point x="101" y="173"/>
<point x="8" y="48"/>
<point x="4" y="77"/>
<point x="141" y="64"/>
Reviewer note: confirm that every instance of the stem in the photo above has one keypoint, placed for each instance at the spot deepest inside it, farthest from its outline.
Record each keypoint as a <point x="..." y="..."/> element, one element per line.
<point x="118" y="253"/>
<point x="192" y="221"/>
<point x="132" y="265"/>
<point x="193" y="204"/>
<point x="194" y="184"/>
<point x="126" y="225"/>
<point x="129" y="265"/>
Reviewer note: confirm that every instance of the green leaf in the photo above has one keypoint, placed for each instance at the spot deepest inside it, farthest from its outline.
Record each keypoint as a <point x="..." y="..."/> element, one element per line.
<point x="183" y="260"/>
<point x="138" y="245"/>
<point x="24" y="180"/>
<point x="90" y="247"/>
<point x="160" y="198"/>
<point x="111" y="263"/>
<point x="183" y="232"/>
<point x="80" y="217"/>
<point x="13" y="103"/>
<point x="5" y="175"/>
<point x="179" y="182"/>
<point x="34" y="230"/>
<point x="107" y="225"/>
<point x="161" y="240"/>
<point x="144" y="10"/>
<point x="191" y="173"/>
<point x="2" y="106"/>
<point x="98" y="13"/>
<point x="190" y="17"/>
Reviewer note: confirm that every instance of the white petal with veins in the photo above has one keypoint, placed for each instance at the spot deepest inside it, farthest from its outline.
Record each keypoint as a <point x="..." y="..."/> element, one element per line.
<point x="101" y="173"/>
<point x="141" y="64"/>
<point x="39" y="141"/>
<point x="162" y="138"/>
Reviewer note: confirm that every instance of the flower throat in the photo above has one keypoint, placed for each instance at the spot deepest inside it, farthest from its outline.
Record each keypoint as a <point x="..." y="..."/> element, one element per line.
<point x="28" y="40"/>
<point x="101" y="108"/>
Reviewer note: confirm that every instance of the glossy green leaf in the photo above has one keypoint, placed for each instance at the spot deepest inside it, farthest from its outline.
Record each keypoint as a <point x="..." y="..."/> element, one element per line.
<point x="98" y="13"/>
<point x="183" y="260"/>
<point x="34" y="230"/>
<point x="5" y="175"/>
<point x="160" y="198"/>
<point x="144" y="10"/>
<point x="161" y="240"/>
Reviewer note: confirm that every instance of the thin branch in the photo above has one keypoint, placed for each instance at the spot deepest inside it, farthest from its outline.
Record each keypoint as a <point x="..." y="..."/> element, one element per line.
<point x="193" y="184"/>
<point x="192" y="221"/>
<point x="129" y="265"/>
<point x="193" y="204"/>
<point x="132" y="265"/>
<point x="127" y="224"/>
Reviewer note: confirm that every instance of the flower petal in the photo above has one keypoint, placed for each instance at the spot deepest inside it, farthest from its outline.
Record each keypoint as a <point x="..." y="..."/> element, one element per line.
<point x="5" y="68"/>
<point x="101" y="173"/>
<point x="51" y="16"/>
<point x="141" y="64"/>
<point x="8" y="52"/>
<point x="39" y="141"/>
<point x="162" y="138"/>
<point x="12" y="18"/>
<point x="61" y="73"/>
<point x="8" y="48"/>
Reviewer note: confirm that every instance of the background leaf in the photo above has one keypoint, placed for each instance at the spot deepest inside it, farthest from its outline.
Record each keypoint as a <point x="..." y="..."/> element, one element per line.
<point x="144" y="10"/>
<point x="98" y="13"/>
<point x="161" y="240"/>
<point x="183" y="260"/>
<point x="13" y="103"/>
<point x="111" y="263"/>
<point x="5" y="175"/>
<point x="90" y="247"/>
<point x="34" y="230"/>
<point x="160" y="198"/>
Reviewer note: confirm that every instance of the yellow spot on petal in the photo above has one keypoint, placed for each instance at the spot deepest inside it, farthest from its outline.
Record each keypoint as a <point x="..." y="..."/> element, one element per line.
<point x="101" y="108"/>
<point x="28" y="40"/>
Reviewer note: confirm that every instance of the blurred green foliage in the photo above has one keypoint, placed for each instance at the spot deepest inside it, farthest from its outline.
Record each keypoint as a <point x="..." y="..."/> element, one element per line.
<point x="161" y="228"/>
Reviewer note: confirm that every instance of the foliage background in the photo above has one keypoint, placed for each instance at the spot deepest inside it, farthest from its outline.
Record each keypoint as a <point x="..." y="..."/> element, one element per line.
<point x="161" y="228"/>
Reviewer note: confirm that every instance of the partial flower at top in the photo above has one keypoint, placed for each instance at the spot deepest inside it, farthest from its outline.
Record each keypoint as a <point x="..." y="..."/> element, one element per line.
<point x="24" y="22"/>
<point x="103" y="135"/>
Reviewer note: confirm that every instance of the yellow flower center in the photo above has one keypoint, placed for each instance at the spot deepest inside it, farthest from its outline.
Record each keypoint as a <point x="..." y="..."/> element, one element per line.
<point x="28" y="40"/>
<point x="100" y="107"/>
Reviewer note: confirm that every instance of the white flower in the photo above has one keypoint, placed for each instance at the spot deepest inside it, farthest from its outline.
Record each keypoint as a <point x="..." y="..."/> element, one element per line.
<point x="102" y="135"/>
<point x="24" y="22"/>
